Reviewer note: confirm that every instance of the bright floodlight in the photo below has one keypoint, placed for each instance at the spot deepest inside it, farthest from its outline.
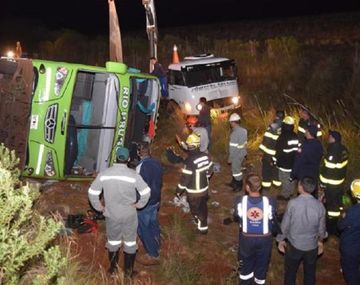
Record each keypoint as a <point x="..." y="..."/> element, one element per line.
<point x="10" y="54"/>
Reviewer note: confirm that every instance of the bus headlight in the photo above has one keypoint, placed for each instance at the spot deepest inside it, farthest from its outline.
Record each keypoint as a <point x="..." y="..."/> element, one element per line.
<point x="49" y="165"/>
<point x="187" y="107"/>
<point x="235" y="100"/>
<point x="10" y="54"/>
<point x="60" y="76"/>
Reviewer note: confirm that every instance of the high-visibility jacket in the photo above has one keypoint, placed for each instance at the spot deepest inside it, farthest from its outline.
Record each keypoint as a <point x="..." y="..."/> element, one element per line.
<point x="195" y="173"/>
<point x="286" y="148"/>
<point x="269" y="141"/>
<point x="256" y="214"/>
<point x="333" y="171"/>
<point x="303" y="125"/>
<point x="237" y="144"/>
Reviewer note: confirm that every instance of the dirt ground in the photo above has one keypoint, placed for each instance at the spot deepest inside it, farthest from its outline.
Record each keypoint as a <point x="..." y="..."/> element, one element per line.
<point x="186" y="257"/>
<point x="214" y="254"/>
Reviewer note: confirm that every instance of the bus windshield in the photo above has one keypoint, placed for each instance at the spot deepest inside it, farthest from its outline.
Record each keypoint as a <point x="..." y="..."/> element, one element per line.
<point x="196" y="75"/>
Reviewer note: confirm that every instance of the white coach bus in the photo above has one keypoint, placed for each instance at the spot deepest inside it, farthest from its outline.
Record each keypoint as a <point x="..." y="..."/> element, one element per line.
<point x="214" y="78"/>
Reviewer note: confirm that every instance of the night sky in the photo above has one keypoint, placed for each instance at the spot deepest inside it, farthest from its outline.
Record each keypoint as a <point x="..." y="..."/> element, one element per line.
<point x="91" y="16"/>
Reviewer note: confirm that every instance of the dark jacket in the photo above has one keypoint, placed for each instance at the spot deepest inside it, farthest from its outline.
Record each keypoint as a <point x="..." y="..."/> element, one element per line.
<point x="333" y="171"/>
<point x="286" y="148"/>
<point x="269" y="140"/>
<point x="151" y="171"/>
<point x="350" y="231"/>
<point x="195" y="174"/>
<point x="307" y="161"/>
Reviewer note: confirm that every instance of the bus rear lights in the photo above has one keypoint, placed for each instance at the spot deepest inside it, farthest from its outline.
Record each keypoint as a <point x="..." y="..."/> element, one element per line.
<point x="49" y="169"/>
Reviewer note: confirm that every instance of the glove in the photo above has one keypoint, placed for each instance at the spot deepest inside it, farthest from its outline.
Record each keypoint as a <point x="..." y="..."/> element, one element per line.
<point x="320" y="247"/>
<point x="282" y="246"/>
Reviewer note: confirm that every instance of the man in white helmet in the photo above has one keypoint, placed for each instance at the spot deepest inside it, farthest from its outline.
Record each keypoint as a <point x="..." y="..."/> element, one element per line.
<point x="237" y="151"/>
<point x="350" y="237"/>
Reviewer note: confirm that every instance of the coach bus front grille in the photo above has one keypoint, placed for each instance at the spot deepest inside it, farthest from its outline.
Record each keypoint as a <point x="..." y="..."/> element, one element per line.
<point x="50" y="123"/>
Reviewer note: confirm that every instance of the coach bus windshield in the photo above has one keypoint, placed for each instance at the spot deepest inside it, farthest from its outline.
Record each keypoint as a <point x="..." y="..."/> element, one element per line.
<point x="196" y="75"/>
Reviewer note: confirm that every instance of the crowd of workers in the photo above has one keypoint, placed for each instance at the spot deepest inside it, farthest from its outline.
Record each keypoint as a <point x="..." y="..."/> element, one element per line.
<point x="291" y="161"/>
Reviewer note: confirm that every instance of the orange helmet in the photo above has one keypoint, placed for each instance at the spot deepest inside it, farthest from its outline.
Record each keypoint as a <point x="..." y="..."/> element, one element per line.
<point x="191" y="120"/>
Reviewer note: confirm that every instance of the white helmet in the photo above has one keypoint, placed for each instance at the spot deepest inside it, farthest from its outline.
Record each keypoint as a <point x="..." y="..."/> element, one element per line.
<point x="234" y="117"/>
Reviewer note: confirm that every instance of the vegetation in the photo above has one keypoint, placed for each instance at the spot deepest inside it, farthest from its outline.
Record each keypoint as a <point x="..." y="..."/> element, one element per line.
<point x="25" y="236"/>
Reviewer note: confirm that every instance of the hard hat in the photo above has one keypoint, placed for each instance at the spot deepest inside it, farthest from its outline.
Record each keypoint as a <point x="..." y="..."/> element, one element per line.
<point x="234" y="117"/>
<point x="355" y="188"/>
<point x="289" y="120"/>
<point x="192" y="120"/>
<point x="193" y="140"/>
<point x="122" y="153"/>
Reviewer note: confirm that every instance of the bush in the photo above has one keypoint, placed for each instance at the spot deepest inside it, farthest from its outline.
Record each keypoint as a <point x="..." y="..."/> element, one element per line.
<point x="25" y="235"/>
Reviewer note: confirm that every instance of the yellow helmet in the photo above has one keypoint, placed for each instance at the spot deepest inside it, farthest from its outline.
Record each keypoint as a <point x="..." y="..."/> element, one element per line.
<point x="193" y="140"/>
<point x="355" y="188"/>
<point x="289" y="120"/>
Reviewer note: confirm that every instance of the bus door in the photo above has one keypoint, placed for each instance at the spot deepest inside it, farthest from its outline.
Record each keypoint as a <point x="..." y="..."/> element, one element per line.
<point x="91" y="123"/>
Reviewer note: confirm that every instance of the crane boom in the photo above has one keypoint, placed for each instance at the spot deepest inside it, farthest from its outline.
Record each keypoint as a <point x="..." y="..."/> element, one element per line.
<point x="151" y="27"/>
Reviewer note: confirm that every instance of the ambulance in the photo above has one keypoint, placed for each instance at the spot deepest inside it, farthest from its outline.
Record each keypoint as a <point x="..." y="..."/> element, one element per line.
<point x="214" y="78"/>
<point x="66" y="120"/>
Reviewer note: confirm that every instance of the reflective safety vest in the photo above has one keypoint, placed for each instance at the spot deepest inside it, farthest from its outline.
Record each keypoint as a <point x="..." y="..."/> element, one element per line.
<point x="195" y="174"/>
<point x="303" y="124"/>
<point x="256" y="217"/>
<point x="269" y="141"/>
<point x="333" y="171"/>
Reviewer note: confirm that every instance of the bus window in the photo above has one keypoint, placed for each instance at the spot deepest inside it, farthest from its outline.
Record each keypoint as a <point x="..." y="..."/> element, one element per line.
<point x="92" y="120"/>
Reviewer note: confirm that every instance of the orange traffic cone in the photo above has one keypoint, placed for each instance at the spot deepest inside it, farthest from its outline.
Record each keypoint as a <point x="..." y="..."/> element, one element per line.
<point x="175" y="56"/>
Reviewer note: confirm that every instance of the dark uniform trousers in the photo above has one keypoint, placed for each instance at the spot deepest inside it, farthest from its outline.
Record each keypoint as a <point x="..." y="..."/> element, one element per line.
<point x="254" y="252"/>
<point x="270" y="173"/>
<point x="199" y="210"/>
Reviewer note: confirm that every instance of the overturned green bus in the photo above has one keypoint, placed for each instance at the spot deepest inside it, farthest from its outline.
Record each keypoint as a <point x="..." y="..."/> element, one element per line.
<point x="66" y="120"/>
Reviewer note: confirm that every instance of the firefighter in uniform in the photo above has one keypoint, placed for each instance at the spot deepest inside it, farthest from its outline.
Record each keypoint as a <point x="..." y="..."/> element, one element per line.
<point x="120" y="185"/>
<point x="193" y="126"/>
<point x="256" y="214"/>
<point x="269" y="170"/>
<point x="285" y="151"/>
<point x="349" y="226"/>
<point x="305" y="121"/>
<point x="332" y="178"/>
<point x="195" y="181"/>
<point x="237" y="151"/>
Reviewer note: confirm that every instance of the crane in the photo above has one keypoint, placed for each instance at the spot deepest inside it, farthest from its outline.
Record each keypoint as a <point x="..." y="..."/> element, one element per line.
<point x="151" y="27"/>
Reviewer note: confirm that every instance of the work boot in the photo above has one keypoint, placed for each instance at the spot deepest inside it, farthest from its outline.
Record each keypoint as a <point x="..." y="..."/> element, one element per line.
<point x="129" y="260"/>
<point x="113" y="258"/>
<point x="238" y="186"/>
<point x="232" y="183"/>
<point x="148" y="260"/>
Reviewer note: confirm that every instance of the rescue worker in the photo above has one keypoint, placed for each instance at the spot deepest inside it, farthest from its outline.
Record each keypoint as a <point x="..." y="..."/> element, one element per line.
<point x="269" y="170"/>
<point x="192" y="125"/>
<point x="332" y="178"/>
<point x="285" y="152"/>
<point x="195" y="181"/>
<point x="160" y="73"/>
<point x="308" y="158"/>
<point x="349" y="226"/>
<point x="237" y="151"/>
<point x="120" y="185"/>
<point x="151" y="171"/>
<point x="305" y="121"/>
<point x="205" y="116"/>
<point x="256" y="214"/>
